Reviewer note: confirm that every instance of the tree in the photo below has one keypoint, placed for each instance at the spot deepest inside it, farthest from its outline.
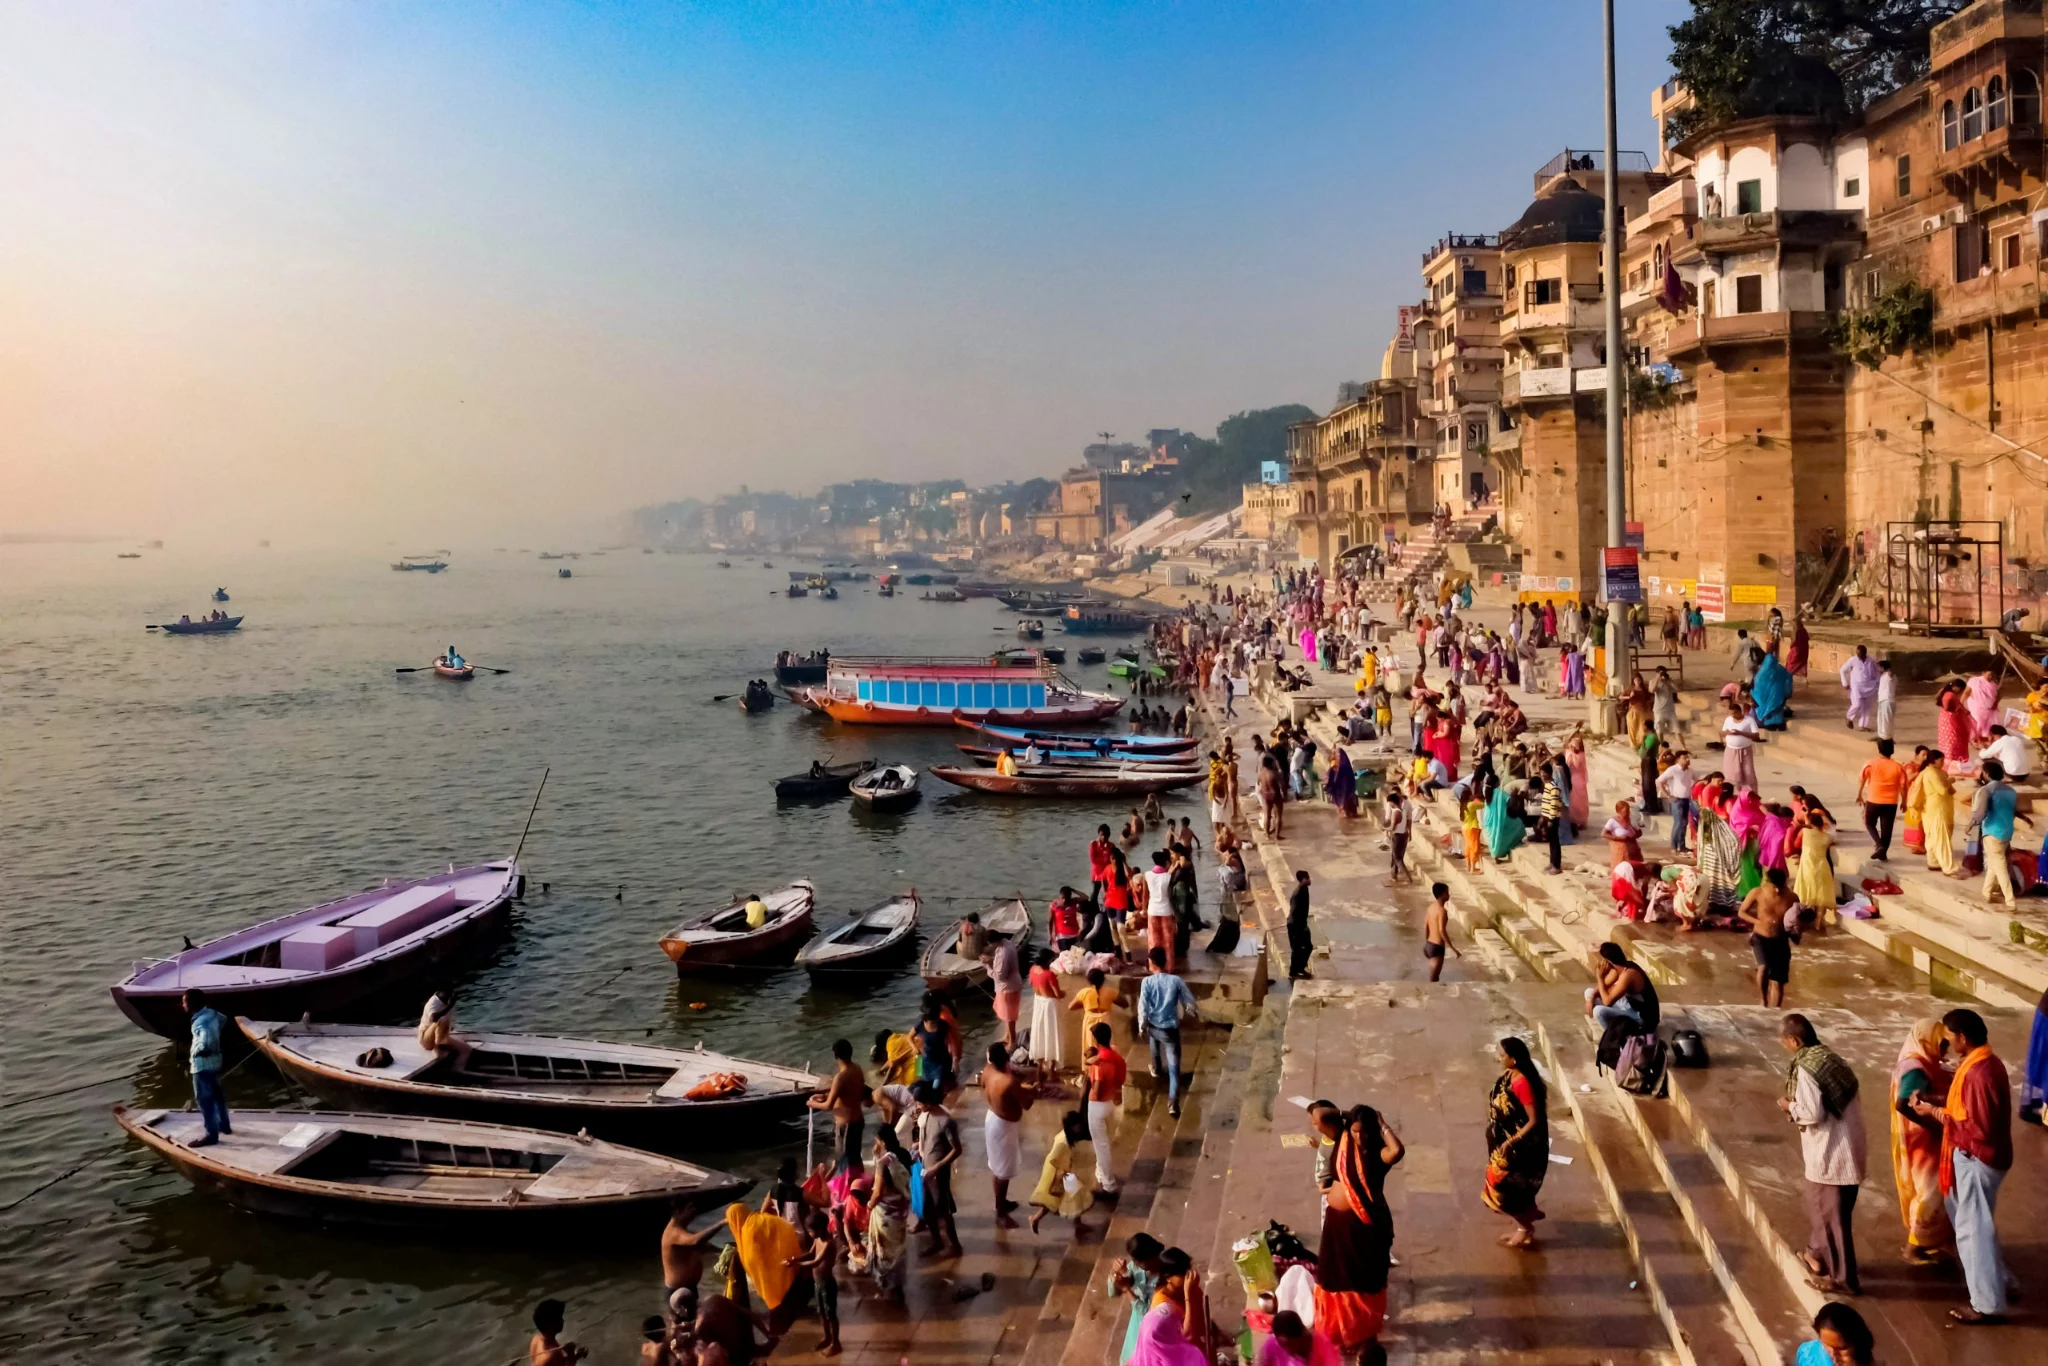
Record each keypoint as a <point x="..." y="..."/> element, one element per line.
<point x="1827" y="58"/>
<point x="1215" y="471"/>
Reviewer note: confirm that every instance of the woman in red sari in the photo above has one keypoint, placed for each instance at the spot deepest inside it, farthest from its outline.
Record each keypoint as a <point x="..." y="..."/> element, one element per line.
<point x="1357" y="1244"/>
<point x="1953" y="726"/>
<point x="1802" y="644"/>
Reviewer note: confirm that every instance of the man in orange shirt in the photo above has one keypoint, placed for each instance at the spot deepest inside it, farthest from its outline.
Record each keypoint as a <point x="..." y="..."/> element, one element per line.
<point x="1882" y="785"/>
<point x="1106" y="1072"/>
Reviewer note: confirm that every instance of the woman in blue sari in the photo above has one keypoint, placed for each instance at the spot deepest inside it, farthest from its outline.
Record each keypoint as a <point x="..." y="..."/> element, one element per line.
<point x="1502" y="829"/>
<point x="1772" y="690"/>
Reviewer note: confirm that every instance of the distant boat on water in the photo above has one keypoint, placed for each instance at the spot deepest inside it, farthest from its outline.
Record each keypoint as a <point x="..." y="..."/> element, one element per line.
<point x="128" y="555"/>
<point x="205" y="626"/>
<point x="421" y="564"/>
<point x="220" y="595"/>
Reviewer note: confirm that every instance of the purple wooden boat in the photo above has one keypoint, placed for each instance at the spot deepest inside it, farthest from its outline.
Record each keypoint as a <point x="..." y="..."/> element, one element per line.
<point x="323" y="960"/>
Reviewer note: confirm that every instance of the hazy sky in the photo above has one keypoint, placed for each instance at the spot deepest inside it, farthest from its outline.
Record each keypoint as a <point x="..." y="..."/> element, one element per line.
<point x="476" y="272"/>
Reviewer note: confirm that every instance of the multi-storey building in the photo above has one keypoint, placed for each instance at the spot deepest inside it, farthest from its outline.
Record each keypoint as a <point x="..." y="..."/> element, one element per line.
<point x="1458" y="364"/>
<point x="1362" y="468"/>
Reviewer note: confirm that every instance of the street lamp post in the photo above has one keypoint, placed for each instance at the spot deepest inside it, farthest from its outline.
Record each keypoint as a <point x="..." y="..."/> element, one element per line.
<point x="1617" y="380"/>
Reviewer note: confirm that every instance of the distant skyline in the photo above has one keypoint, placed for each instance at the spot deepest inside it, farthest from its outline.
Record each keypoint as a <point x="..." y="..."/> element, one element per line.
<point x="327" y="272"/>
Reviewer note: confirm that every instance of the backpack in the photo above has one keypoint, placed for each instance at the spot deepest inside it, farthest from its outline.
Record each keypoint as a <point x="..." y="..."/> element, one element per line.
<point x="1640" y="1067"/>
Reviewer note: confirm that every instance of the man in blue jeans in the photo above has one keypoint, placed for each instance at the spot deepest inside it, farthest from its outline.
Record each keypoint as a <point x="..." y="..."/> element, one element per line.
<point x="207" y="1024"/>
<point x="1163" y="999"/>
<point x="1675" y="786"/>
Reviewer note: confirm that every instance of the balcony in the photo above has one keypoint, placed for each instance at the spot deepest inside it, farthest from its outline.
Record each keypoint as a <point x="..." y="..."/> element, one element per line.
<point x="1578" y="313"/>
<point x="2007" y="149"/>
<point x="1519" y="386"/>
<point x="1728" y="234"/>
<point x="1695" y="334"/>
<point x="1677" y="201"/>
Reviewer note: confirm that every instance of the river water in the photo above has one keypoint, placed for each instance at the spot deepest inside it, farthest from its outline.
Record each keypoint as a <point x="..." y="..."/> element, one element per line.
<point x="153" y="787"/>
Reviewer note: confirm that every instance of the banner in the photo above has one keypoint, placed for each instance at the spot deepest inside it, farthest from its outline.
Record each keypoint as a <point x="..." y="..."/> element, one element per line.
<point x="1712" y="602"/>
<point x="1620" y="577"/>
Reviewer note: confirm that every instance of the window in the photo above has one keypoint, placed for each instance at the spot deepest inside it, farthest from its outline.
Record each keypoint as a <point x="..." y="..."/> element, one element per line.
<point x="1749" y="196"/>
<point x="1475" y="282"/>
<point x="1948" y="127"/>
<point x="1905" y="165"/>
<point x="2009" y="252"/>
<point x="1852" y="187"/>
<point x="1749" y="294"/>
<point x="1973" y="115"/>
<point x="2026" y="97"/>
<point x="1994" y="104"/>
<point x="1970" y="251"/>
<point x="1540" y="292"/>
<point x="1508" y="275"/>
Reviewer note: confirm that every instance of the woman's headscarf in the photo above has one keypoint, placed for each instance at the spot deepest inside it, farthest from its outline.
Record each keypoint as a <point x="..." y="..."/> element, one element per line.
<point x="1922" y="1050"/>
<point x="1748" y="816"/>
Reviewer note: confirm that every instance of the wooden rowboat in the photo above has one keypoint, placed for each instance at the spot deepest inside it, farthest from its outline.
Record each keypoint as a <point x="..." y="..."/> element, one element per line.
<point x="721" y="937"/>
<point x="1074" y="758"/>
<point x="892" y="787"/>
<point x="624" y="1092"/>
<point x="946" y="972"/>
<point x="872" y="939"/>
<point x="1054" y="739"/>
<point x="1049" y="780"/>
<point x="433" y="1174"/>
<point x="831" y="780"/>
<point x="207" y="627"/>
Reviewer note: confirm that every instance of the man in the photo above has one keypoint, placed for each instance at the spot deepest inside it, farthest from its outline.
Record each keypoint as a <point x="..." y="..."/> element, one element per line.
<point x="1859" y="675"/>
<point x="1436" y="929"/>
<point x="1064" y="918"/>
<point x="207" y="1024"/>
<point x="1008" y="1097"/>
<point x="1887" y="698"/>
<point x="1879" y="790"/>
<point x="846" y="1098"/>
<point x="1976" y="1153"/>
<point x="1764" y="911"/>
<point x="1542" y="800"/>
<point x="1100" y="861"/>
<point x="1400" y="819"/>
<point x="1674" y="784"/>
<point x="938" y="1148"/>
<point x="2014" y="753"/>
<point x="1748" y="654"/>
<point x="1992" y="813"/>
<point x="1104" y="1072"/>
<point x="1299" y="944"/>
<point x="1163" y="1000"/>
<point x="1229" y="697"/>
<point x="546" y="1349"/>
<point x="682" y="1252"/>
<point x="1006" y="978"/>
<point x="973" y="940"/>
<point x="1326" y="1127"/>
<point x="757" y="911"/>
<point x="1821" y="1099"/>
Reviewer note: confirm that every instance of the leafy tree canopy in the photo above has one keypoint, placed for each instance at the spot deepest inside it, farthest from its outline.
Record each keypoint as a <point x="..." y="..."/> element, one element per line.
<point x="1829" y="58"/>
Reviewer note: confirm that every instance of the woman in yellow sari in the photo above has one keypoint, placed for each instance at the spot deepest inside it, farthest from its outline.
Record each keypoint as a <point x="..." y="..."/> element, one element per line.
<point x="1922" y="1071"/>
<point x="1933" y="795"/>
<point x="765" y="1245"/>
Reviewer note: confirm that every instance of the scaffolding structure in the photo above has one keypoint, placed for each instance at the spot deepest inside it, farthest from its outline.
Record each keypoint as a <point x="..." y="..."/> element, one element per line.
<point x="1944" y="578"/>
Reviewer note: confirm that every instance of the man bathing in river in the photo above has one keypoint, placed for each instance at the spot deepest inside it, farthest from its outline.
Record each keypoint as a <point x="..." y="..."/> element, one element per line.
<point x="1764" y="911"/>
<point x="1008" y="1096"/>
<point x="682" y="1252"/>
<point x="846" y="1098"/>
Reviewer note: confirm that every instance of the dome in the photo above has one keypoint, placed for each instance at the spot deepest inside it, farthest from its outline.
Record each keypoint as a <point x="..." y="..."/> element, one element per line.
<point x="1566" y="211"/>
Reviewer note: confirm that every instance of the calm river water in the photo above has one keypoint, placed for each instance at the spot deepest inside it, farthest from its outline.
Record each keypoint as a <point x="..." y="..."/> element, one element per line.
<point x="154" y="787"/>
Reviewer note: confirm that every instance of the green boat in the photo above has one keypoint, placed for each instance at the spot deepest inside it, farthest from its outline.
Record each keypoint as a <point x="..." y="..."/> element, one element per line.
<point x="1131" y="668"/>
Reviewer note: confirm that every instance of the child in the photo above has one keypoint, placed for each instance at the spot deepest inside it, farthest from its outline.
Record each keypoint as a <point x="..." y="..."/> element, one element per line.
<point x="1474" y="811"/>
<point x="819" y="1260"/>
<point x="547" y="1349"/>
<point x="1060" y="1191"/>
<point x="1436" y="930"/>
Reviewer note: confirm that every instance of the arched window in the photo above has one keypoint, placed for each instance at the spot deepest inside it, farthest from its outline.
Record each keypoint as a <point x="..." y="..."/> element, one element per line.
<point x="1948" y="125"/>
<point x="1994" y="104"/>
<point x="2026" y="98"/>
<point x="1973" y="115"/>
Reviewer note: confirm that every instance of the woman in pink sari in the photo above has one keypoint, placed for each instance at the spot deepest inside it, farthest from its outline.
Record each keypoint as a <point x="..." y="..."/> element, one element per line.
<point x="1953" y="726"/>
<point x="1982" y="698"/>
<point x="1582" y="788"/>
<point x="1178" y="1319"/>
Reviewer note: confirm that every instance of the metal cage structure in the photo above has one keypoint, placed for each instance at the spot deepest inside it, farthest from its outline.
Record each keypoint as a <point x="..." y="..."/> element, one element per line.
<point x="1944" y="578"/>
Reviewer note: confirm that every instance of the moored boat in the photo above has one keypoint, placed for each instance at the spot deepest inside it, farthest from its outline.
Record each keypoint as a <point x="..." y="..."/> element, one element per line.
<point x="1091" y="654"/>
<point x="913" y="691"/>
<point x="435" y="1174"/>
<point x="1099" y="619"/>
<point x="325" y="959"/>
<point x="792" y="668"/>
<point x="625" y="1092"/>
<point x="947" y="972"/>
<point x="824" y="780"/>
<point x="872" y="939"/>
<point x="986" y="756"/>
<point x="1056" y="654"/>
<point x="1133" y="668"/>
<point x="720" y="938"/>
<point x="892" y="787"/>
<point x="1052" y="780"/>
<point x="1052" y="739"/>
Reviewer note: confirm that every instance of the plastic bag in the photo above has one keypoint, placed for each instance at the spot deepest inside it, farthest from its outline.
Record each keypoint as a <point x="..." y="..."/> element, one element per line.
<point x="1254" y="1260"/>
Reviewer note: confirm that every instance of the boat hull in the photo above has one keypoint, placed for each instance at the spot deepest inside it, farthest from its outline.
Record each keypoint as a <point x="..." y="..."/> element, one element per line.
<point x="1065" y="784"/>
<point x="852" y="712"/>
<point x="201" y="628"/>
<point x="830" y="786"/>
<point x="698" y="944"/>
<point x="1134" y="745"/>
<point x="796" y="675"/>
<point x="461" y="674"/>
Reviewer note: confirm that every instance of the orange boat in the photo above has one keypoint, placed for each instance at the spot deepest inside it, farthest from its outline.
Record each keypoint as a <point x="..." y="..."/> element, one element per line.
<point x="910" y="691"/>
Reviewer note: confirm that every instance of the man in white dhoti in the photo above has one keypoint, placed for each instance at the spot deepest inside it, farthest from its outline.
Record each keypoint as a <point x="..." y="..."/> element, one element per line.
<point x="1860" y="676"/>
<point x="1007" y="1097"/>
<point x="1887" y="698"/>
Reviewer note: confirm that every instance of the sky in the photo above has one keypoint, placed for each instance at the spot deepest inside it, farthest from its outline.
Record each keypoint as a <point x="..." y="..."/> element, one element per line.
<point x="365" y="272"/>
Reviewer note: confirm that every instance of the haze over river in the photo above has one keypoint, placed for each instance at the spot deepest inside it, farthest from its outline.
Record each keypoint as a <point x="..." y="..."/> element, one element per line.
<point x="154" y="787"/>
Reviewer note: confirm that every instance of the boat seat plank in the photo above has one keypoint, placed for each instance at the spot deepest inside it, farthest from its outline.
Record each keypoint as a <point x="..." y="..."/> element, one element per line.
<point x="579" y="1177"/>
<point x="256" y="1149"/>
<point x="211" y="975"/>
<point x="340" y="1051"/>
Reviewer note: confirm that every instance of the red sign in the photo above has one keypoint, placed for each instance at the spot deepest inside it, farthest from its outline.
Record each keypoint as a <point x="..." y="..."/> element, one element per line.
<point x="1712" y="600"/>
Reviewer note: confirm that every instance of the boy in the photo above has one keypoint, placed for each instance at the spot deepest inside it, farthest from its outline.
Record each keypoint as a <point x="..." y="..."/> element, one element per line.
<point x="1436" y="930"/>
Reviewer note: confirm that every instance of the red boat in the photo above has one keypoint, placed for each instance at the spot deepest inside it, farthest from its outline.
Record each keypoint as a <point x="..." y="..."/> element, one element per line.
<point x="443" y="669"/>
<point x="1046" y="780"/>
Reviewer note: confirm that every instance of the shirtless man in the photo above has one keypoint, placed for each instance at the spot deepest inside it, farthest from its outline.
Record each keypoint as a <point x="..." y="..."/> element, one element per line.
<point x="682" y="1252"/>
<point x="1763" y="910"/>
<point x="546" y="1349"/>
<point x="1436" y="930"/>
<point x="846" y="1098"/>
<point x="1008" y="1097"/>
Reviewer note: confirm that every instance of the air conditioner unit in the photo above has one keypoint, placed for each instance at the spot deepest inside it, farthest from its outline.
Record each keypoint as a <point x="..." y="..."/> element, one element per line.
<point x="1465" y="262"/>
<point x="1959" y="215"/>
<point x="1931" y="225"/>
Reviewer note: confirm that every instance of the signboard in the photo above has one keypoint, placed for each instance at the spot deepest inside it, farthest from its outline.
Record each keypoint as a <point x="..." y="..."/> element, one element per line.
<point x="1564" y="583"/>
<point x="1620" y="577"/>
<point x="1404" y="327"/>
<point x="1712" y="600"/>
<point x="1632" y="534"/>
<point x="1755" y="594"/>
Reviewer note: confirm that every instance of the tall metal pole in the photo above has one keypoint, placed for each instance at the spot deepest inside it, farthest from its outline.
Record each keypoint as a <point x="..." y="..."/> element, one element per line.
<point x="1617" y="379"/>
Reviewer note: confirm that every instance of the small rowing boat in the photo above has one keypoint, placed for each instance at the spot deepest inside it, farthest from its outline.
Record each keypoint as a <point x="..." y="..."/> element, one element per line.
<point x="1049" y="780"/>
<point x="1083" y="758"/>
<point x="947" y="972"/>
<point x="720" y="938"/>
<point x="757" y="697"/>
<point x="1091" y="654"/>
<point x="420" y="564"/>
<point x="1082" y="740"/>
<point x="1131" y="668"/>
<point x="625" y="1092"/>
<point x="823" y="781"/>
<point x="433" y="1174"/>
<point x="871" y="939"/>
<point x="889" y="788"/>
<point x="205" y="626"/>
<point x="443" y="669"/>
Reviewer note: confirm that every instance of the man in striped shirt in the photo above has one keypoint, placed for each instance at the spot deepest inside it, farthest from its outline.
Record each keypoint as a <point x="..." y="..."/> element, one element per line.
<point x="1541" y="800"/>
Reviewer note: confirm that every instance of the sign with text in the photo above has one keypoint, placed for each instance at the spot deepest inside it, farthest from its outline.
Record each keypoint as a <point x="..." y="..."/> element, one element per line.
<point x="1620" y="578"/>
<point x="1754" y="594"/>
<point x="1632" y="534"/>
<point x="1712" y="600"/>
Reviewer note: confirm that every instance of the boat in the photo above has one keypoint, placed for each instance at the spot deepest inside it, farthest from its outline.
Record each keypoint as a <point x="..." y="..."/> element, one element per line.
<point x="420" y="564"/>
<point x="757" y="698"/>
<point x="918" y="580"/>
<point x="1132" y="668"/>
<point x="220" y="595"/>
<point x="431" y="1174"/>
<point x="791" y="668"/>
<point x="1091" y="654"/>
<point x="1097" y="619"/>
<point x="888" y="580"/>
<point x="943" y="595"/>
<point x="624" y="1092"/>
<point x="889" y="788"/>
<point x="1031" y="629"/>
<point x="870" y="940"/>
<point x="825" y="780"/>
<point x="550" y="555"/>
<point x="443" y="669"/>
<point x="725" y="564"/>
<point x="887" y="590"/>
<point x="1041" y="602"/>
<point x="205" y="626"/>
<point x="129" y="555"/>
<point x="828" y="592"/>
<point x="1055" y="653"/>
<point x="947" y="973"/>
<point x="986" y="756"/>
<point x="797" y="590"/>
<point x="720" y="938"/>
<point x="767" y="564"/>
<point x="905" y="690"/>
<point x="330" y="957"/>
<point x="1052" y="739"/>
<point x="1052" y="780"/>
<point x="563" y="574"/>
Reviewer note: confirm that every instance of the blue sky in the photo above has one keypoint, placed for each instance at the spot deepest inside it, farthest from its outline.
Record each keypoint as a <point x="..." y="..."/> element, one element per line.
<point x="597" y="255"/>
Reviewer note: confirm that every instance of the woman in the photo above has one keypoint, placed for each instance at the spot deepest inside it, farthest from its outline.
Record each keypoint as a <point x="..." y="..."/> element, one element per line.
<point x="1738" y="737"/>
<point x="1840" y="1338"/>
<point x="1059" y="1190"/>
<point x="1981" y="697"/>
<point x="767" y="1245"/>
<point x="1136" y="1274"/>
<point x="1922" y="1070"/>
<point x="1231" y="874"/>
<point x="1933" y="796"/>
<point x="1802" y="645"/>
<point x="1046" y="1046"/>
<point x="1219" y="794"/>
<point x="1720" y="867"/>
<point x="2034" y="1084"/>
<point x="1912" y="824"/>
<point x="1772" y="689"/>
<point x="1952" y="728"/>
<point x="1517" y="1143"/>
<point x="1502" y="829"/>
<point x="1175" y="1330"/>
<point x="1342" y="784"/>
<point x="1646" y="754"/>
<point x="1814" y="887"/>
<point x="1770" y="852"/>
<point x="1637" y="705"/>
<point x="1357" y="1241"/>
<point x="1580" y="794"/>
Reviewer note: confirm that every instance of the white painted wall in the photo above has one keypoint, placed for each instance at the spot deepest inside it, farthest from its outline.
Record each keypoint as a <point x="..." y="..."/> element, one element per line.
<point x="1805" y="180"/>
<point x="1750" y="163"/>
<point x="1852" y="162"/>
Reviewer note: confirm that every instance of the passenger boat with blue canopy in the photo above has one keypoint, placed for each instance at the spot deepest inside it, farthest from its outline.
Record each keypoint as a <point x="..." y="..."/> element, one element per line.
<point x="909" y="691"/>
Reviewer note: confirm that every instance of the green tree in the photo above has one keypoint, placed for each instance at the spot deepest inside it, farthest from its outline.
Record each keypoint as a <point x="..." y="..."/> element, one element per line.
<point x="1828" y="58"/>
<point x="1215" y="471"/>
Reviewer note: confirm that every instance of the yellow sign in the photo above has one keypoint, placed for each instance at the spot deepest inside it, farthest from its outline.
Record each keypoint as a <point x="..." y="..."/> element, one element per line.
<point x="1757" y="594"/>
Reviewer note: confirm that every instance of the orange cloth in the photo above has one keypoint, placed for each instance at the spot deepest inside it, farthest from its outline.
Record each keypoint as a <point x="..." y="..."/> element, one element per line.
<point x="1884" y="781"/>
<point x="1956" y="1110"/>
<point x="766" y="1244"/>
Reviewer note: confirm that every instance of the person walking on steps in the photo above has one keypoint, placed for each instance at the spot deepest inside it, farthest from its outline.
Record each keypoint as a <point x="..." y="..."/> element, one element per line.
<point x="1299" y="944"/>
